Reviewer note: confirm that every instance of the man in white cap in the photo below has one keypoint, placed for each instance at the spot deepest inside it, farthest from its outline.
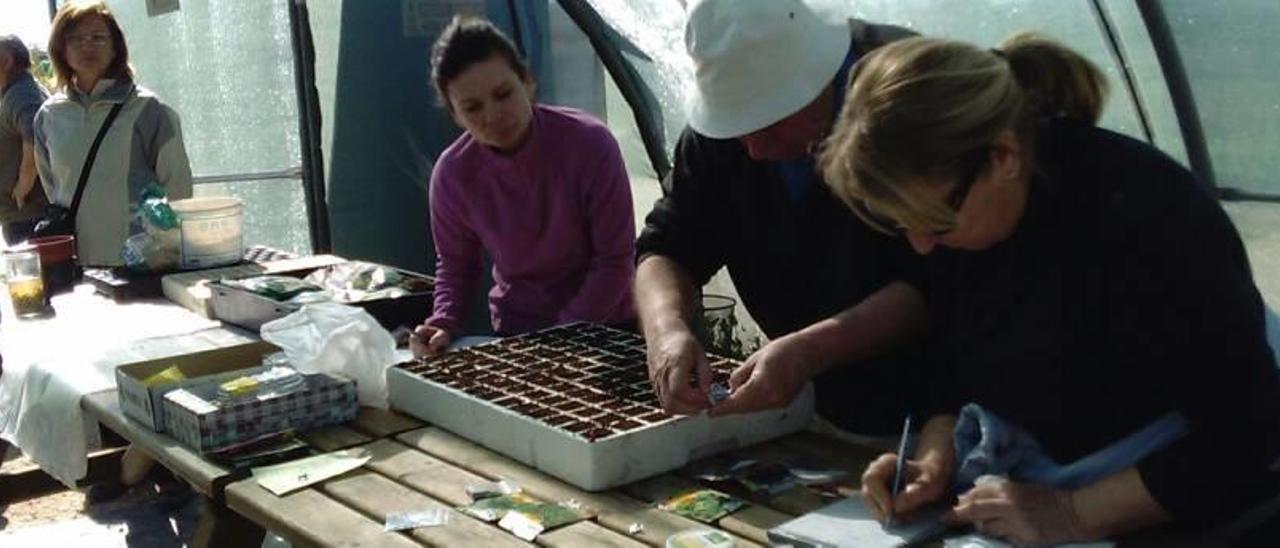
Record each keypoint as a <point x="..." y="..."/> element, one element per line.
<point x="743" y="194"/>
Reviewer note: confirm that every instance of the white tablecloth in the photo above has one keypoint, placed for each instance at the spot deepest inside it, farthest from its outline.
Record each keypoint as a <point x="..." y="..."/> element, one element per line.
<point x="50" y="364"/>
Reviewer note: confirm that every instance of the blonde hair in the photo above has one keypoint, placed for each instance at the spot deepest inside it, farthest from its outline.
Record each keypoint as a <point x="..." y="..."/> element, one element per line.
<point x="930" y="108"/>
<point x="68" y="17"/>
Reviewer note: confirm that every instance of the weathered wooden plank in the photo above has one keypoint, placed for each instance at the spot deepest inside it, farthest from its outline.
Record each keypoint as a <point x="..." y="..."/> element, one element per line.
<point x="806" y="448"/>
<point x="206" y="477"/>
<point x="376" y="496"/>
<point x="448" y="483"/>
<point x="333" y="438"/>
<point x="803" y="500"/>
<point x="832" y="453"/>
<point x="615" y="510"/>
<point x="309" y="518"/>
<point x="423" y="472"/>
<point x="586" y="534"/>
<point x="382" y="423"/>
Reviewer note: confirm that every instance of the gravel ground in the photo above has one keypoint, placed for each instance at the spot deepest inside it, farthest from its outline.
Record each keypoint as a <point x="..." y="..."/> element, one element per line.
<point x="64" y="505"/>
<point x="142" y="517"/>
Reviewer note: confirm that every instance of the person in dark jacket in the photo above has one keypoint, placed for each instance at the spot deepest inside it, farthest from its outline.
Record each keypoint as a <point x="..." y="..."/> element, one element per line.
<point x="743" y="195"/>
<point x="1093" y="301"/>
<point x="22" y="199"/>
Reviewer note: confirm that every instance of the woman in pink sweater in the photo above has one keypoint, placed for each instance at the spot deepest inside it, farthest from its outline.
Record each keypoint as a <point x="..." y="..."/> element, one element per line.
<point x="541" y="189"/>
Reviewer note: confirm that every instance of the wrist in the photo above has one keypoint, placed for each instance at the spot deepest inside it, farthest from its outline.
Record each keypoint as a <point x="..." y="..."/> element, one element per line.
<point x="439" y="324"/>
<point x="1079" y="529"/>
<point x="808" y="350"/>
<point x="937" y="440"/>
<point x="664" y="325"/>
<point x="939" y="460"/>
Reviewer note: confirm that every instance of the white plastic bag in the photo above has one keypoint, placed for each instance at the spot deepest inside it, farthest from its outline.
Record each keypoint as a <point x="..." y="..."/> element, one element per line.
<point x="338" y="339"/>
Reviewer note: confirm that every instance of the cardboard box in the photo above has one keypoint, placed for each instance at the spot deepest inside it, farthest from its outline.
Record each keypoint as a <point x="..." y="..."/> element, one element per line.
<point x="144" y="403"/>
<point x="249" y="310"/>
<point x="191" y="419"/>
<point x="190" y="290"/>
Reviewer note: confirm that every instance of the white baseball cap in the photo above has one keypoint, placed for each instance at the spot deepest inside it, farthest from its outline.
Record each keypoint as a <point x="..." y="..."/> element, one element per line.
<point x="758" y="61"/>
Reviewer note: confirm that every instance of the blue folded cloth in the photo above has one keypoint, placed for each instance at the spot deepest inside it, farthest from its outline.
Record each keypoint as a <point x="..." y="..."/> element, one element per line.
<point x="987" y="444"/>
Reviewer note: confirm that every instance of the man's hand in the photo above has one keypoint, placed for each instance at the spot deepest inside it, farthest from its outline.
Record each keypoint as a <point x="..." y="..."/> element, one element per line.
<point x="769" y="379"/>
<point x="21" y="190"/>
<point x="675" y="358"/>
<point x="428" y="340"/>
<point x="26" y="175"/>
<point x="1019" y="512"/>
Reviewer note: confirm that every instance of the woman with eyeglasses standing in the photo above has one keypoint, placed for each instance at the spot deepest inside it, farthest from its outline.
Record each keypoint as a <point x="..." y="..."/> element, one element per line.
<point x="142" y="145"/>
<point x="1094" y="302"/>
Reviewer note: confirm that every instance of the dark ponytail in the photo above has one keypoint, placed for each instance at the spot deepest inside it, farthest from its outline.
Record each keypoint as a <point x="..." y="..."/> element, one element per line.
<point x="1057" y="81"/>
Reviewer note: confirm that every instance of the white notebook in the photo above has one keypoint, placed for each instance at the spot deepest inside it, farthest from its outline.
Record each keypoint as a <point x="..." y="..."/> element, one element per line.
<point x="848" y="524"/>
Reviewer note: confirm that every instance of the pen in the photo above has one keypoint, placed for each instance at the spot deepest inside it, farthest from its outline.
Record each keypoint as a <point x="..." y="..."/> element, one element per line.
<point x="897" y="471"/>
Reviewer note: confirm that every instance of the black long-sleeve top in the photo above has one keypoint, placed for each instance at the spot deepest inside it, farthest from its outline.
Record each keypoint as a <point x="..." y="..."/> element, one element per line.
<point x="793" y="263"/>
<point x="1123" y="294"/>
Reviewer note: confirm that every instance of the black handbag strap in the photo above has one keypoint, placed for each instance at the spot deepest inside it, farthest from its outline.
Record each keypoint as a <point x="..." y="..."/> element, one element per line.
<point x="93" y="153"/>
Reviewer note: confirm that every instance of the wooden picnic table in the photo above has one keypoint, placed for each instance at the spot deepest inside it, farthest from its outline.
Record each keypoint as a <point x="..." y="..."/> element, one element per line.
<point x="428" y="466"/>
<point x="415" y="466"/>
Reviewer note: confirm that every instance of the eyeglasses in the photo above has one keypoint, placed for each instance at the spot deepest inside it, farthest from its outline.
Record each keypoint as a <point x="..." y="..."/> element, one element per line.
<point x="96" y="39"/>
<point x="972" y="168"/>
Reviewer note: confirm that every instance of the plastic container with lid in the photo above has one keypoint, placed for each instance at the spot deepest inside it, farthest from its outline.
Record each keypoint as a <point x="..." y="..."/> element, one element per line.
<point x="212" y="231"/>
<point x="700" y="538"/>
<point x="57" y="260"/>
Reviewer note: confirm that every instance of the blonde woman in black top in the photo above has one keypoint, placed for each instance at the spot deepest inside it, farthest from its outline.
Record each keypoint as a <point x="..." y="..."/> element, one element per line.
<point x="1082" y="283"/>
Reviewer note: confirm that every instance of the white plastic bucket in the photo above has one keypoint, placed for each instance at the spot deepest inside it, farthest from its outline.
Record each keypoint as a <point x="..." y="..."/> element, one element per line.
<point x="212" y="231"/>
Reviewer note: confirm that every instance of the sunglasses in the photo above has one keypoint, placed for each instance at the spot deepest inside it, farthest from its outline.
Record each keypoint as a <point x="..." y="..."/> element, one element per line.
<point x="972" y="168"/>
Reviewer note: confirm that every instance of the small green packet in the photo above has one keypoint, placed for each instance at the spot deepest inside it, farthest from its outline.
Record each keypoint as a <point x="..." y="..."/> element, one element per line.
<point x="493" y="508"/>
<point x="705" y="505"/>
<point x="523" y="515"/>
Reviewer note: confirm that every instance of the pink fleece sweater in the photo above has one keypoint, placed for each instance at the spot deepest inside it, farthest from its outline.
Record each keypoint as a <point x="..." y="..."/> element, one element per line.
<point x="555" y="216"/>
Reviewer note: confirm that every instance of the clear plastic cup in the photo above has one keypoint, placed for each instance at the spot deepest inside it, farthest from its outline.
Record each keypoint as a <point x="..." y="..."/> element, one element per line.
<point x="718" y="324"/>
<point x="26" y="286"/>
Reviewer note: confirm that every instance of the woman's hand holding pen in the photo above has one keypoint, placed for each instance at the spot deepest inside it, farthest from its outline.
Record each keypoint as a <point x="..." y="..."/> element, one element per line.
<point x="925" y="481"/>
<point x="926" y="478"/>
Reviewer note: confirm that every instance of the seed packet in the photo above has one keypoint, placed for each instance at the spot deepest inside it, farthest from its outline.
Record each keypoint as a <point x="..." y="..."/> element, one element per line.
<point x="719" y="392"/>
<point x="815" y="475"/>
<point x="766" y="477"/>
<point x="486" y="489"/>
<point x="717" y="469"/>
<point x="521" y="525"/>
<point x="705" y="505"/>
<point x="431" y="517"/>
<point x="493" y="508"/>
<point x="700" y="538"/>
<point x="534" y="518"/>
